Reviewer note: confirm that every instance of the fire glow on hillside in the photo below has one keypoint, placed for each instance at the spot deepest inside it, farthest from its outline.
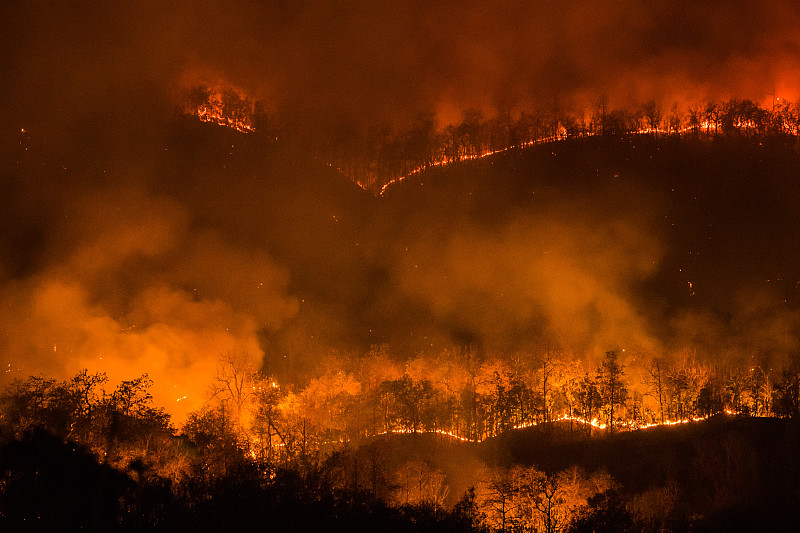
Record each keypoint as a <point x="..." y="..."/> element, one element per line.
<point x="477" y="138"/>
<point x="575" y="226"/>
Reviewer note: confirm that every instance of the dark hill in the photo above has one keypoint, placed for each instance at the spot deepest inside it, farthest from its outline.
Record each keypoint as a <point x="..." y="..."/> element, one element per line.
<point x="590" y="244"/>
<point x="645" y="458"/>
<point x="308" y="215"/>
<point x="731" y="201"/>
<point x="730" y="473"/>
<point x="740" y="474"/>
<point x="717" y="220"/>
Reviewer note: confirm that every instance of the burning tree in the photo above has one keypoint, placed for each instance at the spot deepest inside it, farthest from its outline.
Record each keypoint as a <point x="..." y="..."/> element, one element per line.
<point x="234" y="385"/>
<point x="786" y="395"/>
<point x="225" y="107"/>
<point x="419" y="483"/>
<point x="501" y="503"/>
<point x="588" y="400"/>
<point x="611" y="388"/>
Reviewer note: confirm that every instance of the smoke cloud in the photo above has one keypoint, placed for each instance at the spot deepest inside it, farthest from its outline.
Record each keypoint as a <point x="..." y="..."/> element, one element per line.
<point x="560" y="273"/>
<point x="131" y="287"/>
<point x="329" y="63"/>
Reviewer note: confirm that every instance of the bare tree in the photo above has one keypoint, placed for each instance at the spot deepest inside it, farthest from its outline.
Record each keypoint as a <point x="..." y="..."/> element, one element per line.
<point x="652" y="115"/>
<point x="613" y="391"/>
<point x="234" y="383"/>
<point x="418" y="482"/>
<point x="547" y="363"/>
<point x="655" y="380"/>
<point x="546" y="498"/>
<point x="601" y="115"/>
<point x="502" y="501"/>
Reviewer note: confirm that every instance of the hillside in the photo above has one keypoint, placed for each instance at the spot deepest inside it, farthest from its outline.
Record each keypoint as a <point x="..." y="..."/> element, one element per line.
<point x="233" y="270"/>
<point x="723" y="474"/>
<point x="675" y="228"/>
<point x="643" y="243"/>
<point x="728" y="201"/>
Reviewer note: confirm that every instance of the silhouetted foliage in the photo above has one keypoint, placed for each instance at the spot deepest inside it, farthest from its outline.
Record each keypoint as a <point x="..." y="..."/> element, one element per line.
<point x="47" y="484"/>
<point x="604" y="513"/>
<point x="786" y="396"/>
<point x="467" y="515"/>
<point x="134" y="474"/>
<point x="611" y="387"/>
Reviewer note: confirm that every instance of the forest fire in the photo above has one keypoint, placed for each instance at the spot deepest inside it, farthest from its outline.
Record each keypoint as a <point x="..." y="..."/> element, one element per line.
<point x="478" y="138"/>
<point x="283" y="427"/>
<point x="564" y="295"/>
<point x="224" y="108"/>
<point x="235" y="413"/>
<point x="207" y="115"/>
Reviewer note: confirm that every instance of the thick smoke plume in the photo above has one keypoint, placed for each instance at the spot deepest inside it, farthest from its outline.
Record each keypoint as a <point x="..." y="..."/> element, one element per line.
<point x="563" y="273"/>
<point x="131" y="287"/>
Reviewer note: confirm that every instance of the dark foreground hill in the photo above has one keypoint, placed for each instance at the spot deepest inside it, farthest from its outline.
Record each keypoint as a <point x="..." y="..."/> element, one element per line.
<point x="739" y="461"/>
<point x="723" y="474"/>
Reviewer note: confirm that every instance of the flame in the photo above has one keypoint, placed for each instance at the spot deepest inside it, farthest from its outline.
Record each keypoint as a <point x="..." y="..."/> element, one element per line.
<point x="291" y="407"/>
<point x="212" y="107"/>
<point x="212" y="115"/>
<point x="595" y="423"/>
<point x="443" y="160"/>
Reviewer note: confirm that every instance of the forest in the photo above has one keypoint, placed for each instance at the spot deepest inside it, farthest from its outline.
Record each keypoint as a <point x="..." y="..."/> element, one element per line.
<point x="381" y="266"/>
<point x="325" y="455"/>
<point x="382" y="154"/>
<point x="507" y="424"/>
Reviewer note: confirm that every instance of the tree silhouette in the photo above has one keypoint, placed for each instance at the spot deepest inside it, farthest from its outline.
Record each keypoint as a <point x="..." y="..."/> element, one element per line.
<point x="786" y="396"/>
<point x="604" y="513"/>
<point x="47" y="484"/>
<point x="611" y="387"/>
<point x="652" y="115"/>
<point x="502" y="500"/>
<point x="588" y="399"/>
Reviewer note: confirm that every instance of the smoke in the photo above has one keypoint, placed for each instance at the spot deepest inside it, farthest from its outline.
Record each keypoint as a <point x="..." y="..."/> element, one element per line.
<point x="755" y="330"/>
<point x="566" y="273"/>
<point x="131" y="287"/>
<point x="357" y="63"/>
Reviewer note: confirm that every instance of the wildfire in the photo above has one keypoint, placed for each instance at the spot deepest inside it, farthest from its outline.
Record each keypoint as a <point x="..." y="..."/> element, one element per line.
<point x="410" y="431"/>
<point x="225" y="107"/>
<point x="443" y="161"/>
<point x="595" y="423"/>
<point x="561" y="135"/>
<point x="228" y="108"/>
<point x="211" y="115"/>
